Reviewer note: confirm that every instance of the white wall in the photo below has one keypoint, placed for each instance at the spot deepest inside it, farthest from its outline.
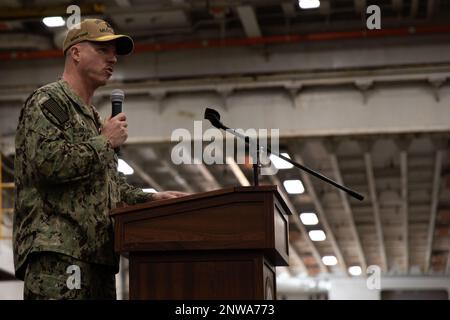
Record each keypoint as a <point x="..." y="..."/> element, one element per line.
<point x="6" y="256"/>
<point x="11" y="290"/>
<point x="357" y="289"/>
<point x="349" y="288"/>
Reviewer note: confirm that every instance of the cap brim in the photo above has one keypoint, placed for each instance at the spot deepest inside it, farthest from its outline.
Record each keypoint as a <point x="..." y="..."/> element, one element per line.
<point x="124" y="44"/>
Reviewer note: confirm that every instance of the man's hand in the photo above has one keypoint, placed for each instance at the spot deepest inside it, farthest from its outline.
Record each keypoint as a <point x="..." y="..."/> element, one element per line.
<point x="168" y="195"/>
<point x="115" y="129"/>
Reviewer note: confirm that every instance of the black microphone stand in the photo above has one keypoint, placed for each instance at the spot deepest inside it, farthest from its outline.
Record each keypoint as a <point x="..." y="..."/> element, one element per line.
<point x="256" y="157"/>
<point x="257" y="164"/>
<point x="214" y="117"/>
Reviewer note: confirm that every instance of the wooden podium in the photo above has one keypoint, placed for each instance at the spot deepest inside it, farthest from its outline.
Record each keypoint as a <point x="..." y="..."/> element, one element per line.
<point x="222" y="244"/>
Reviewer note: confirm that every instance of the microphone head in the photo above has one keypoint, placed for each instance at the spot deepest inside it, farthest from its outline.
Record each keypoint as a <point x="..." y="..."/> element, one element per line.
<point x="211" y="113"/>
<point x="117" y="95"/>
<point x="214" y="117"/>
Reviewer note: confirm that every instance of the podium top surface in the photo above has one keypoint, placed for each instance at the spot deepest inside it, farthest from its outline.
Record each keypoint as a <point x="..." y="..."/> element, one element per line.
<point x="197" y="196"/>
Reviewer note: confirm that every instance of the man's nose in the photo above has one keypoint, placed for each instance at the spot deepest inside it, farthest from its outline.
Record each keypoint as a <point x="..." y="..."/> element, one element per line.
<point x="112" y="58"/>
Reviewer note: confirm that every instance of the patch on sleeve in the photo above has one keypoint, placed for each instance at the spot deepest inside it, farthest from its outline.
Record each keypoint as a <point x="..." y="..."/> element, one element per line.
<point x="55" y="109"/>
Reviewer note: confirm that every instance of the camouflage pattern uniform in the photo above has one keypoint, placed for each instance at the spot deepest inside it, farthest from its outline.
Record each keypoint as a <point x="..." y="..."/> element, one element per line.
<point x="66" y="182"/>
<point x="52" y="275"/>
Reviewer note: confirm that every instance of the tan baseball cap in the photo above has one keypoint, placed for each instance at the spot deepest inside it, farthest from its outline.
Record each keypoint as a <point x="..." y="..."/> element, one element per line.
<point x="97" y="30"/>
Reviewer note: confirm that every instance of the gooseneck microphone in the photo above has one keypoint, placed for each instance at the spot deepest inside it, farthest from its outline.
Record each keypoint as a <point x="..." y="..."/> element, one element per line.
<point x="214" y="117"/>
<point x="117" y="97"/>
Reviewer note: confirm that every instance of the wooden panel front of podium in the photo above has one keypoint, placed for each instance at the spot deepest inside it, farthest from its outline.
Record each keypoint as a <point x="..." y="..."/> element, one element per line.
<point x="221" y="244"/>
<point x="201" y="276"/>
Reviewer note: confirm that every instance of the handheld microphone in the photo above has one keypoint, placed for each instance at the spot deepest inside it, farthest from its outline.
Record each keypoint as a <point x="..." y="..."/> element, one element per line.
<point x="117" y="97"/>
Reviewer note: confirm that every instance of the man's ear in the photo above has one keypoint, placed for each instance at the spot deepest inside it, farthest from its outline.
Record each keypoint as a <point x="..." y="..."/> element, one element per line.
<point x="74" y="52"/>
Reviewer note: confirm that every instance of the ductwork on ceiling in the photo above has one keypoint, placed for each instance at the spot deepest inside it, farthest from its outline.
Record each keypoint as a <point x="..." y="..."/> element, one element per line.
<point x="24" y="41"/>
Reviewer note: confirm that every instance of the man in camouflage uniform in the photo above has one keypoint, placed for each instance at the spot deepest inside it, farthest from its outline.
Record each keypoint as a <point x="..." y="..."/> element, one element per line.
<point x="66" y="175"/>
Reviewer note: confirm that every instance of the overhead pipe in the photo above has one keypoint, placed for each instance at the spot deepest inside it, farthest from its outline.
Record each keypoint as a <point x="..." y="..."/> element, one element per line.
<point x="221" y="43"/>
<point x="24" y="41"/>
<point x="31" y="12"/>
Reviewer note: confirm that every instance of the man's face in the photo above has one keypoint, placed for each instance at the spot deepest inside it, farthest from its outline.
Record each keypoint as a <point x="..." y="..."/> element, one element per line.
<point x="97" y="60"/>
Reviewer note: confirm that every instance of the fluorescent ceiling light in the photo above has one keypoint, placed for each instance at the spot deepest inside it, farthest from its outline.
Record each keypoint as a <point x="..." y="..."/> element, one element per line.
<point x="149" y="190"/>
<point x="125" y="168"/>
<point x="280" y="163"/>
<point x="329" y="260"/>
<point x="309" y="4"/>
<point x="53" y="21"/>
<point x="294" y="186"/>
<point x="355" y="270"/>
<point x="309" y="218"/>
<point x="317" y="235"/>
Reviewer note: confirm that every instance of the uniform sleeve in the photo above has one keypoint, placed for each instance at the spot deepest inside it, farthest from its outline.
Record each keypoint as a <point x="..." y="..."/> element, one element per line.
<point x="54" y="158"/>
<point x="129" y="194"/>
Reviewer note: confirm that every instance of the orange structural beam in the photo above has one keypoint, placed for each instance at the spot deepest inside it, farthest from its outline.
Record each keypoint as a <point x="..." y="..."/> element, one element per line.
<point x="278" y="39"/>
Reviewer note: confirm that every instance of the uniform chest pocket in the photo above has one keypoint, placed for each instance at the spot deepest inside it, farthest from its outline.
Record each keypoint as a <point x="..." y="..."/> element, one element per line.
<point x="81" y="130"/>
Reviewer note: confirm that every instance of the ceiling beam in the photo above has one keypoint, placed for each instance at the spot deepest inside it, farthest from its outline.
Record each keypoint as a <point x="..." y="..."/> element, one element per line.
<point x="414" y="8"/>
<point x="295" y="217"/>
<point x="240" y="176"/>
<point x="210" y="179"/>
<point x="39" y="12"/>
<point x="12" y="3"/>
<point x="348" y="211"/>
<point x="376" y="209"/>
<point x="360" y="6"/>
<point x="431" y="6"/>
<point x="321" y="214"/>
<point x="332" y="78"/>
<point x="447" y="267"/>
<point x="144" y="175"/>
<point x="404" y="199"/>
<point x="249" y="21"/>
<point x="325" y="7"/>
<point x="1" y="195"/>
<point x="289" y="9"/>
<point x="397" y="5"/>
<point x="434" y="203"/>
<point x="123" y="3"/>
<point x="178" y="178"/>
<point x="295" y="261"/>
